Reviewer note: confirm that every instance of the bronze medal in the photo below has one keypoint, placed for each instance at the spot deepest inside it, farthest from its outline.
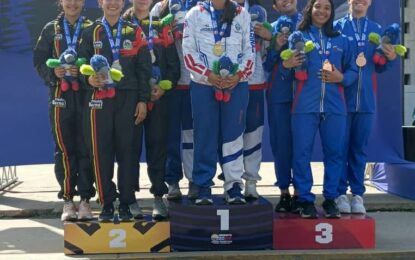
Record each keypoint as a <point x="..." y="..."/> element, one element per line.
<point x="361" y="60"/>
<point x="218" y="49"/>
<point x="327" y="66"/>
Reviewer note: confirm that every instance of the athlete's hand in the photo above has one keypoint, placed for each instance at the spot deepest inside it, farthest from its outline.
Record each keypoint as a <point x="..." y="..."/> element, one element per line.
<point x="389" y="51"/>
<point x="215" y="80"/>
<point x="74" y="70"/>
<point x="59" y="72"/>
<point x="296" y="60"/>
<point x="156" y="93"/>
<point x="334" y="76"/>
<point x="262" y="32"/>
<point x="96" y="81"/>
<point x="231" y="81"/>
<point x="140" y="112"/>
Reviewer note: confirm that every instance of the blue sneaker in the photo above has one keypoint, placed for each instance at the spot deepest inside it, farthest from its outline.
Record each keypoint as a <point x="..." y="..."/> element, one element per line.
<point x="107" y="213"/>
<point x="205" y="196"/>
<point x="234" y="195"/>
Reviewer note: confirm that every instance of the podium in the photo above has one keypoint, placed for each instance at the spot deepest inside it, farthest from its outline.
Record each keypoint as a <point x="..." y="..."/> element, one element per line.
<point x="220" y="226"/>
<point x="351" y="231"/>
<point x="116" y="237"/>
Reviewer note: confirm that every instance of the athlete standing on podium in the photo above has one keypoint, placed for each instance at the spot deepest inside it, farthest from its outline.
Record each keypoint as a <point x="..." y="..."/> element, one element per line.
<point x="72" y="166"/>
<point x="361" y="102"/>
<point x="319" y="104"/>
<point x="215" y="29"/>
<point x="114" y="120"/>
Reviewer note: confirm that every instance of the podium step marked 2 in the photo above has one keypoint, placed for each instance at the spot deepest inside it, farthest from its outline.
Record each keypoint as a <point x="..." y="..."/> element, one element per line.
<point x="220" y="226"/>
<point x="125" y="237"/>
<point x="351" y="231"/>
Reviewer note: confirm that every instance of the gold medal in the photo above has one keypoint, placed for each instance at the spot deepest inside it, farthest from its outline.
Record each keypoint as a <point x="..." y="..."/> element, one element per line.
<point x="218" y="49"/>
<point x="361" y="60"/>
<point x="327" y="66"/>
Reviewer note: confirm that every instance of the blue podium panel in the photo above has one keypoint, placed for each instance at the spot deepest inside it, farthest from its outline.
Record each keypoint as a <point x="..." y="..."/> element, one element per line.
<point x="220" y="226"/>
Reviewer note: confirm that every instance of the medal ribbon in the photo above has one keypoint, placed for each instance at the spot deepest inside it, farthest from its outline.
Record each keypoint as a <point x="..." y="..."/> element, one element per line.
<point x="71" y="42"/>
<point x="150" y="38"/>
<point x="115" y="45"/>
<point x="360" y="37"/>
<point x="324" y="53"/>
<point x="217" y="35"/>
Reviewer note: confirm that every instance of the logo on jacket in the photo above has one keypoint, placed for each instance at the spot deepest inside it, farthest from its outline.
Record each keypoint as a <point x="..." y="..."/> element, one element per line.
<point x="59" y="102"/>
<point x="58" y="36"/>
<point x="96" y="104"/>
<point x="127" y="44"/>
<point x="98" y="45"/>
<point x="238" y="27"/>
<point x="206" y="28"/>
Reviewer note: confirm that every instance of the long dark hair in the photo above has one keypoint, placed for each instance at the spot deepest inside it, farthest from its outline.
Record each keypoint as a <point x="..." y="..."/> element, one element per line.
<point x="164" y="9"/>
<point x="307" y="21"/>
<point x="229" y="12"/>
<point x="255" y="2"/>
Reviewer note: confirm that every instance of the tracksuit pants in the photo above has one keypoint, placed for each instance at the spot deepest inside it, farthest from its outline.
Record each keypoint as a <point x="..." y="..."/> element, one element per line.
<point x="113" y="135"/>
<point x="359" y="127"/>
<point x="253" y="135"/>
<point x="72" y="165"/>
<point x="155" y="137"/>
<point x="280" y="136"/>
<point x="180" y="136"/>
<point x="332" y="128"/>
<point x="219" y="127"/>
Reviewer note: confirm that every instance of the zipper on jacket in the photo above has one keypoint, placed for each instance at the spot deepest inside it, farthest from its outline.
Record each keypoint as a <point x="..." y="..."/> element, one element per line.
<point x="359" y="80"/>
<point x="323" y="84"/>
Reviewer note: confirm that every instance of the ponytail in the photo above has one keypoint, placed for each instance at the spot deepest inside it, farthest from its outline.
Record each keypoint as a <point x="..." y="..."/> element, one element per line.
<point x="229" y="12"/>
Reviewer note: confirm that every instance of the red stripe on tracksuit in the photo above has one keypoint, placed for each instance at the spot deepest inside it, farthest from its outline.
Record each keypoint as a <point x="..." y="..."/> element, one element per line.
<point x="375" y="83"/>
<point x="297" y="94"/>
<point x="192" y="65"/>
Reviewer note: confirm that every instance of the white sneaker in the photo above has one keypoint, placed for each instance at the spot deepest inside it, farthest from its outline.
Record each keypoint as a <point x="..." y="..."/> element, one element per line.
<point x="343" y="204"/>
<point x="174" y="192"/>
<point x="69" y="211"/>
<point x="357" y="205"/>
<point x="84" y="211"/>
<point x="250" y="190"/>
<point x="159" y="209"/>
<point x="136" y="210"/>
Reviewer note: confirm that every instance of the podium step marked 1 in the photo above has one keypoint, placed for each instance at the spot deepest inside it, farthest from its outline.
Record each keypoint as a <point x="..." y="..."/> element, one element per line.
<point x="351" y="231"/>
<point x="125" y="237"/>
<point x="220" y="226"/>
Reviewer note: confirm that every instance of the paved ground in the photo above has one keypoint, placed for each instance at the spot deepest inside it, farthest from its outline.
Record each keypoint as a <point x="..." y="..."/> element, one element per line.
<point x="29" y="228"/>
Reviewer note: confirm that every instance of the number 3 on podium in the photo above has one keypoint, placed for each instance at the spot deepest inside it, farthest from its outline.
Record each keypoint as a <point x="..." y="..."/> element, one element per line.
<point x="326" y="235"/>
<point x="118" y="238"/>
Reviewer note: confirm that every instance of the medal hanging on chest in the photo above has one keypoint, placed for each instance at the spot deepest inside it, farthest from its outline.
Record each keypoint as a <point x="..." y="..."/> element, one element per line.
<point x="360" y="38"/>
<point x="323" y="51"/>
<point x="72" y="41"/>
<point x="217" y="50"/>
<point x="361" y="60"/>
<point x="114" y="44"/>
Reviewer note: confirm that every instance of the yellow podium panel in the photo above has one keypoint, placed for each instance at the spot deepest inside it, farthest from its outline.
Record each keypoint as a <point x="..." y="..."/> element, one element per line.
<point x="124" y="237"/>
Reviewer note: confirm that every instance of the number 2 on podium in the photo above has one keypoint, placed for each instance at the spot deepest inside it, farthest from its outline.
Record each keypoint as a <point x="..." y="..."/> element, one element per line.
<point x="224" y="219"/>
<point x="119" y="238"/>
<point x="326" y="235"/>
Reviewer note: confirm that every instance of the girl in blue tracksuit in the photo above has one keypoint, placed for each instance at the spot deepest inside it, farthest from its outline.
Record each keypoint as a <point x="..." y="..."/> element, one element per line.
<point x="319" y="104"/>
<point x="279" y="100"/>
<point x="360" y="99"/>
<point x="215" y="29"/>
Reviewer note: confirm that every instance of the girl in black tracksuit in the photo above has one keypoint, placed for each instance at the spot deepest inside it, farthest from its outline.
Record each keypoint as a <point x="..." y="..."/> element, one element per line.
<point x="72" y="167"/>
<point x="114" y="121"/>
<point x="161" y="44"/>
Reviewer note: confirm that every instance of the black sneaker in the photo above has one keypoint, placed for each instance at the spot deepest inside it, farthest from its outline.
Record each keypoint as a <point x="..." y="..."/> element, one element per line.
<point x="331" y="210"/>
<point x="204" y="197"/>
<point x="308" y="210"/>
<point x="295" y="205"/>
<point x="107" y="213"/>
<point x="124" y="213"/>
<point x="284" y="205"/>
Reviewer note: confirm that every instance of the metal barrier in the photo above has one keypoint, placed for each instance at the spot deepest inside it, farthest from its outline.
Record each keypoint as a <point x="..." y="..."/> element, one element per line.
<point x="8" y="176"/>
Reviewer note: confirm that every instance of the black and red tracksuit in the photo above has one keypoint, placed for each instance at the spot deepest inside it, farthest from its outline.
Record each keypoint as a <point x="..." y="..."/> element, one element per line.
<point x="72" y="165"/>
<point x="156" y="123"/>
<point x="112" y="133"/>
